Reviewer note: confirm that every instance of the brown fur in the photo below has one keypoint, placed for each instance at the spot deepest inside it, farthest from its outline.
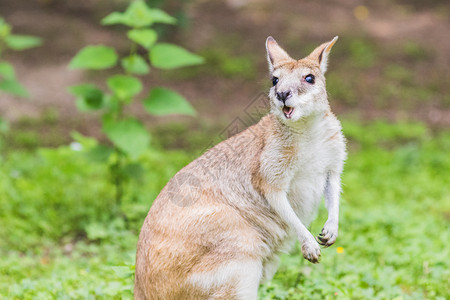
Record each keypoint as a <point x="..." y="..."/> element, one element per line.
<point x="201" y="248"/>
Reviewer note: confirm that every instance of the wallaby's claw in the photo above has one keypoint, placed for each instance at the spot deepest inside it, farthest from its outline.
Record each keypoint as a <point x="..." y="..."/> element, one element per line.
<point x="326" y="238"/>
<point x="311" y="252"/>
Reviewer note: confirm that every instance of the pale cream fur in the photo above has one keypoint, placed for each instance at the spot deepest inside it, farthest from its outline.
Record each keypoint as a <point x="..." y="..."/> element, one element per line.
<point x="255" y="194"/>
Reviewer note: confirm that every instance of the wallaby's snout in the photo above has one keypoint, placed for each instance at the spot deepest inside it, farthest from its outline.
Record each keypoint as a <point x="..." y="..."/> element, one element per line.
<point x="283" y="96"/>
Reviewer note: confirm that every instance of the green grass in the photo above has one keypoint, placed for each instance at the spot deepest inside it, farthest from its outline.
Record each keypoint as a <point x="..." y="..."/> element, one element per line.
<point x="394" y="222"/>
<point x="61" y="237"/>
<point x="29" y="133"/>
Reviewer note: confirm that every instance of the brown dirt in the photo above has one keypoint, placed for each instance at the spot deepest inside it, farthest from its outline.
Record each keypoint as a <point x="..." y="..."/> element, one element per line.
<point x="68" y="26"/>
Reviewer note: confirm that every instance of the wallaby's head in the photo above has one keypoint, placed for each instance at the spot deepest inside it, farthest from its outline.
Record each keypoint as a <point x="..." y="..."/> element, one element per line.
<point x="298" y="85"/>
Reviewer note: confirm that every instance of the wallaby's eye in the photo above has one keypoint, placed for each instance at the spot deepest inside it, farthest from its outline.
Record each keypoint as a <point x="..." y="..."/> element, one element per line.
<point x="309" y="78"/>
<point x="274" y="80"/>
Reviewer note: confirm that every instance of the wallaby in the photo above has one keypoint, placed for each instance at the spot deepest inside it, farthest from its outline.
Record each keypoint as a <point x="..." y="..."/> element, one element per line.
<point x="217" y="228"/>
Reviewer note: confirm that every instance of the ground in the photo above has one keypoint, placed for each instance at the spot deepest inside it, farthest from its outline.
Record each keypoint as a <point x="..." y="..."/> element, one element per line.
<point x="64" y="237"/>
<point x="391" y="64"/>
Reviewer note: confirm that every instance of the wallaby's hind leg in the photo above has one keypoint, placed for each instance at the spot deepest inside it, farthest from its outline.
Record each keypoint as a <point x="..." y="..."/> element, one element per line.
<point x="269" y="269"/>
<point x="138" y="295"/>
<point x="248" y="281"/>
<point x="235" y="280"/>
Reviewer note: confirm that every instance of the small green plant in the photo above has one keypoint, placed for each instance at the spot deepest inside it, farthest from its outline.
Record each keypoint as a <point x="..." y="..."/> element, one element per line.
<point x="8" y="81"/>
<point x="128" y="135"/>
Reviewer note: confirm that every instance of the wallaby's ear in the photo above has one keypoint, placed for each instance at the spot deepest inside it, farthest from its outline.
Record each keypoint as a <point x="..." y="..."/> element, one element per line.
<point x="275" y="54"/>
<point x="320" y="54"/>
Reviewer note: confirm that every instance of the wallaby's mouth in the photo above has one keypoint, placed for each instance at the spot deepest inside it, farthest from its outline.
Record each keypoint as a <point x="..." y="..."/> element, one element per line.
<point x="288" y="111"/>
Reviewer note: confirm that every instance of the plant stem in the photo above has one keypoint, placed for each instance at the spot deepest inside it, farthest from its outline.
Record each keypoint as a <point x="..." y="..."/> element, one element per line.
<point x="133" y="48"/>
<point x="117" y="167"/>
<point x="117" y="176"/>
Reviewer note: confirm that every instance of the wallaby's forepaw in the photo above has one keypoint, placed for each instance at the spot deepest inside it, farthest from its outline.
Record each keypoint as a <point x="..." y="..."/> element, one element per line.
<point x="311" y="251"/>
<point x="328" y="235"/>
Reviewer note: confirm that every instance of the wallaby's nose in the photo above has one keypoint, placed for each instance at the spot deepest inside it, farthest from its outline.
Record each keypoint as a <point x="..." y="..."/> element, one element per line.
<point x="283" y="96"/>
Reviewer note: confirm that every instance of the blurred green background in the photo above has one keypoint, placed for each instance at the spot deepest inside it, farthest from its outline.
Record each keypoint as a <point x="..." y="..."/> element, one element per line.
<point x="63" y="237"/>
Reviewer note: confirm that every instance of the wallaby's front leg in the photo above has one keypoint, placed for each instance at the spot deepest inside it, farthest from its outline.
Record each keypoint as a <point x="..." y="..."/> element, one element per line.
<point x="332" y="192"/>
<point x="310" y="247"/>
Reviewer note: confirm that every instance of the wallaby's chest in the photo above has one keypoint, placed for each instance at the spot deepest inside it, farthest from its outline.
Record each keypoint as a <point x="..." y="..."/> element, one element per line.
<point x="308" y="177"/>
<point x="312" y="158"/>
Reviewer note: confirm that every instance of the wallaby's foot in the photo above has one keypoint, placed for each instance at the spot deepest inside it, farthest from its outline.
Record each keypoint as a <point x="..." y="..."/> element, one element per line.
<point x="311" y="250"/>
<point x="328" y="235"/>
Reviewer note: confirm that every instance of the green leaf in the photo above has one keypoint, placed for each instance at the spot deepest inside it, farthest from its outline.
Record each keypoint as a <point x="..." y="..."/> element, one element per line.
<point x="13" y="87"/>
<point x="115" y="18"/>
<point x="139" y="12"/>
<point x="160" y="16"/>
<point x="124" y="87"/>
<point x="89" y="97"/>
<point x="4" y="125"/>
<point x="129" y="135"/>
<point x="7" y="70"/>
<point x="5" y="29"/>
<point x="135" y="64"/>
<point x="94" y="57"/>
<point x="22" y="42"/>
<point x="162" y="101"/>
<point x="144" y="37"/>
<point x="99" y="153"/>
<point x="168" y="56"/>
<point x="137" y="15"/>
